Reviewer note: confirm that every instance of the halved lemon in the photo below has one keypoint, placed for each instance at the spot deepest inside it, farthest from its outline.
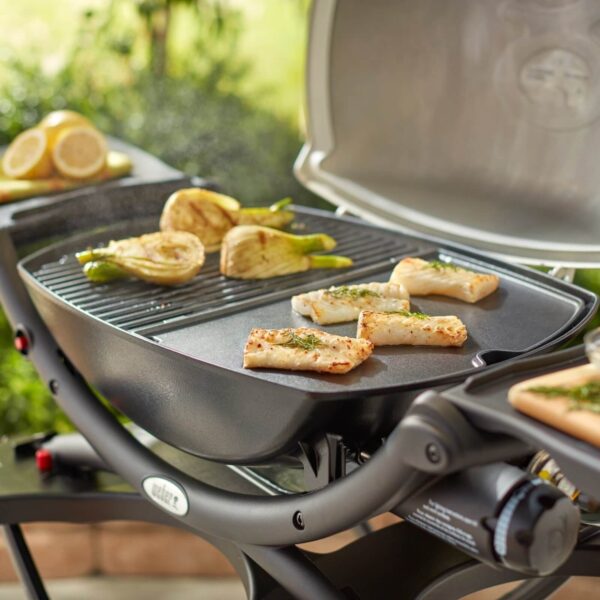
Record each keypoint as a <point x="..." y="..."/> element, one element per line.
<point x="57" y="121"/>
<point x="28" y="156"/>
<point x="80" y="152"/>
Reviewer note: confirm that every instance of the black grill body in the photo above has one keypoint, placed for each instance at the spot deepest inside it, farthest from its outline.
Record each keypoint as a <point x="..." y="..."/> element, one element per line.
<point x="170" y="358"/>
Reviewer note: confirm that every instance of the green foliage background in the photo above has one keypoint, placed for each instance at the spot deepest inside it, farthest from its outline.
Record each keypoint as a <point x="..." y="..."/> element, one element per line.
<point x="25" y="403"/>
<point x="211" y="87"/>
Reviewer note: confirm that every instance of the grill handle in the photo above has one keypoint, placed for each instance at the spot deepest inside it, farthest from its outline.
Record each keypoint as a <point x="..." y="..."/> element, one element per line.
<point x="274" y="521"/>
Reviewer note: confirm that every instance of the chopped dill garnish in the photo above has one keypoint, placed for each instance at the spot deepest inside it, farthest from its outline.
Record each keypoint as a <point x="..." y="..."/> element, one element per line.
<point x="582" y="397"/>
<point x="408" y="313"/>
<point x="308" y="342"/>
<point x="347" y="292"/>
<point x="438" y="265"/>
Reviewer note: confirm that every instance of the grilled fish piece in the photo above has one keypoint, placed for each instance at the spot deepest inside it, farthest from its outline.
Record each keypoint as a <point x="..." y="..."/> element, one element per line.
<point x="344" y="303"/>
<point x="410" y="328"/>
<point x="304" y="349"/>
<point x="422" y="278"/>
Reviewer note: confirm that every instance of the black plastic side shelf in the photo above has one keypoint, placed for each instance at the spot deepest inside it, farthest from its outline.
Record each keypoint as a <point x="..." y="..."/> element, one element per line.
<point x="483" y="398"/>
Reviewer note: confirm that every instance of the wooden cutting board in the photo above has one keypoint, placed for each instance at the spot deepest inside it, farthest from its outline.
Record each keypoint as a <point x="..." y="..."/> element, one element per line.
<point x="558" y="411"/>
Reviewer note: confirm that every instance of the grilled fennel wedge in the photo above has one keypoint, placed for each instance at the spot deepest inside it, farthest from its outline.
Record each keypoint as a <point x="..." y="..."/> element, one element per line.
<point x="210" y="215"/>
<point x="165" y="258"/>
<point x="255" y="252"/>
<point x="273" y="216"/>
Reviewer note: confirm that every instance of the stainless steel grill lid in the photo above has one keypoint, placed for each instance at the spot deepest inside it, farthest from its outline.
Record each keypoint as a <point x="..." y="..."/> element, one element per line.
<point x="475" y="121"/>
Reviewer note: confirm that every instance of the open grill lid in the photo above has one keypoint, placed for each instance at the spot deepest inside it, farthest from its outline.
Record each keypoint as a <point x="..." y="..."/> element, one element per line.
<point x="472" y="121"/>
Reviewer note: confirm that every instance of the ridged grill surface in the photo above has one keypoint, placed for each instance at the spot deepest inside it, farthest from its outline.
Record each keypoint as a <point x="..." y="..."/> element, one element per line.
<point x="148" y="310"/>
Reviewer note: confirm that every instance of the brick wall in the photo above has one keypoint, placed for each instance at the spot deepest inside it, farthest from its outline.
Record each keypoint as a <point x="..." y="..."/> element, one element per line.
<point x="130" y="548"/>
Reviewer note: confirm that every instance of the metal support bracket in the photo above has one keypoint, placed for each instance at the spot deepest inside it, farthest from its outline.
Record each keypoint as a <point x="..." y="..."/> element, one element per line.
<point x="24" y="563"/>
<point x="324" y="460"/>
<point x="566" y="274"/>
<point x="437" y="438"/>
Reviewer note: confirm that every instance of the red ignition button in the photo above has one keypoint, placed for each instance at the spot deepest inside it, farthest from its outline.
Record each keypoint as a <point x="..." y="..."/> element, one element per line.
<point x="21" y="342"/>
<point x="43" y="460"/>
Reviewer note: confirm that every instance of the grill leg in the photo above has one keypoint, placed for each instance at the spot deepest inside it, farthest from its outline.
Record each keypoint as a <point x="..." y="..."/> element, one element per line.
<point x="535" y="589"/>
<point x="295" y="572"/>
<point x="23" y="562"/>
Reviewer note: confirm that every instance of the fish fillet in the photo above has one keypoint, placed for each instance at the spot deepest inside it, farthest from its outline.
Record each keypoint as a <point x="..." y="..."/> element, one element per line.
<point x="422" y="278"/>
<point x="304" y="349"/>
<point x="412" y="329"/>
<point x="344" y="303"/>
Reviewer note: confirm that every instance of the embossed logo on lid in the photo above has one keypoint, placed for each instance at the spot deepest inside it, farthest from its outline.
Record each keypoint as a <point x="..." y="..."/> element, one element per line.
<point x="167" y="494"/>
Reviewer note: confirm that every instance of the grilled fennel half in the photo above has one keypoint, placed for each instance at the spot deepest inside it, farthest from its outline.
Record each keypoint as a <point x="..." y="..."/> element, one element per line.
<point x="210" y="215"/>
<point x="256" y="252"/>
<point x="165" y="258"/>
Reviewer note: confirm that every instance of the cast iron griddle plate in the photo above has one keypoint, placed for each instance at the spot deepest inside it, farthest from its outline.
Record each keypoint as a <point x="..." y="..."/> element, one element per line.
<point x="484" y="399"/>
<point x="504" y="321"/>
<point x="209" y="319"/>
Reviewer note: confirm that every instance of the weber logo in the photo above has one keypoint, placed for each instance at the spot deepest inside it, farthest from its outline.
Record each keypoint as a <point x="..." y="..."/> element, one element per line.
<point x="167" y="494"/>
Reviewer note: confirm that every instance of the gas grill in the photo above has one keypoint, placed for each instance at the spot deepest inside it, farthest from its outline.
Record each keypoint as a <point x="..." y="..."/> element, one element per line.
<point x="153" y="345"/>
<point x="259" y="461"/>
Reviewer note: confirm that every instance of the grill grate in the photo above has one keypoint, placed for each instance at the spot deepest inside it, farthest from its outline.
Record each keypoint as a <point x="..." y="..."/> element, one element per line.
<point x="148" y="310"/>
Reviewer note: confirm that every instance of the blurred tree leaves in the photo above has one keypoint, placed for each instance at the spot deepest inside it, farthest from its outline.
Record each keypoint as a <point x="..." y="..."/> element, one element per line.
<point x="177" y="98"/>
<point x="25" y="403"/>
<point x="184" y="109"/>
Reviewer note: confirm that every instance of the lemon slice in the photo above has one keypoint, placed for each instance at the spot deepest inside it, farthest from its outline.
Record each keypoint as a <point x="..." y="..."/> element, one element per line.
<point x="80" y="152"/>
<point x="28" y="156"/>
<point x="57" y="121"/>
